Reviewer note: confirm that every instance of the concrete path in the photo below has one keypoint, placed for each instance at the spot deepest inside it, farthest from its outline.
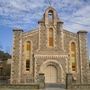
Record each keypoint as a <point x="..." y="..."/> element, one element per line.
<point x="53" y="89"/>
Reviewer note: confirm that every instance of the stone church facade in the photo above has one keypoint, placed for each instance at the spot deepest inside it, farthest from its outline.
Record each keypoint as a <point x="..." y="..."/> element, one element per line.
<point x="51" y="50"/>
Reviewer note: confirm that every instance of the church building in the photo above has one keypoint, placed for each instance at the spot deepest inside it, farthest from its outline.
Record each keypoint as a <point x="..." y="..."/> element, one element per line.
<point x="49" y="49"/>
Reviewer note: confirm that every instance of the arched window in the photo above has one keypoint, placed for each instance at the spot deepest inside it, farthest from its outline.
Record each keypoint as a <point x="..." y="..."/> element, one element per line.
<point x="51" y="39"/>
<point x="28" y="55"/>
<point x="73" y="56"/>
<point x="28" y="46"/>
<point x="50" y="16"/>
<point x="27" y="65"/>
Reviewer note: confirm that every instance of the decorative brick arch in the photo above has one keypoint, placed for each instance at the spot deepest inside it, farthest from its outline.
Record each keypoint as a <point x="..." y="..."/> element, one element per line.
<point x="25" y="55"/>
<point x="57" y="65"/>
<point x="55" y="16"/>
<point x="76" y="71"/>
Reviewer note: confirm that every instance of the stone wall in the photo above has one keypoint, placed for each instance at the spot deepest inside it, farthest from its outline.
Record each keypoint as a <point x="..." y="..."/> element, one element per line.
<point x="83" y="56"/>
<point x="42" y="36"/>
<point x="58" y="61"/>
<point x="70" y="37"/>
<point x="33" y="37"/>
<point x="16" y="58"/>
<point x="73" y="85"/>
<point x="60" y="52"/>
<point x="20" y="86"/>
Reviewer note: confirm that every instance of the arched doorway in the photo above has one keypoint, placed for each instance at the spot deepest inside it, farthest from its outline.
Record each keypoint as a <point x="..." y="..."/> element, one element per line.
<point x="50" y="74"/>
<point x="52" y="71"/>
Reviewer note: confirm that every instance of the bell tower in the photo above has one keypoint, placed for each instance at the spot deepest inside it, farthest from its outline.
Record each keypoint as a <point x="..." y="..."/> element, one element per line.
<point x="51" y="17"/>
<point x="51" y="30"/>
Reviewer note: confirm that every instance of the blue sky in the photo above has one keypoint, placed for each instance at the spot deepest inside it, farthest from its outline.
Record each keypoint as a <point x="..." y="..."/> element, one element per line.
<point x="26" y="13"/>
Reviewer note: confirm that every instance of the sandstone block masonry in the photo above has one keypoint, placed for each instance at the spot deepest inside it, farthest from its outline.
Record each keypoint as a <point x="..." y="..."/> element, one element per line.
<point x="50" y="50"/>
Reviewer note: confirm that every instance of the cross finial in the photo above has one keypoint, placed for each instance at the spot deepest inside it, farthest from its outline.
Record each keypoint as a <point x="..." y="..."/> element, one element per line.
<point x="49" y="2"/>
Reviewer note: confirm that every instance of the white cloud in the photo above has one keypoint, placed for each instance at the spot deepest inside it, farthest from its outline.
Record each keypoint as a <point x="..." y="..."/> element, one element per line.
<point x="80" y="20"/>
<point x="25" y="12"/>
<point x="17" y="11"/>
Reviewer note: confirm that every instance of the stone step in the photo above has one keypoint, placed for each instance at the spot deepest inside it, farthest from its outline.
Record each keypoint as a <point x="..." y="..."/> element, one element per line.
<point x="54" y="85"/>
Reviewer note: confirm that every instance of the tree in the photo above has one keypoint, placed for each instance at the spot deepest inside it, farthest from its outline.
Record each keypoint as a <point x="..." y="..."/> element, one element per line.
<point x="6" y="68"/>
<point x="1" y="47"/>
<point x="4" y="56"/>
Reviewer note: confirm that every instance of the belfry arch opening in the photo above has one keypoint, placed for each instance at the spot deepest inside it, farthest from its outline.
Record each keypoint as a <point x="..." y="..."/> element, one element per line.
<point x="50" y="16"/>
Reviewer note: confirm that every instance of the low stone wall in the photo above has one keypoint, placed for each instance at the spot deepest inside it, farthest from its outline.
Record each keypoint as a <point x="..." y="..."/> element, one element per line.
<point x="5" y="85"/>
<point x="20" y="86"/>
<point x="81" y="86"/>
<point x="71" y="85"/>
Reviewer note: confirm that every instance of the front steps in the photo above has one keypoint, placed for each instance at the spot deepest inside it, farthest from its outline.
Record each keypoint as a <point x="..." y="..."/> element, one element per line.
<point x="54" y="85"/>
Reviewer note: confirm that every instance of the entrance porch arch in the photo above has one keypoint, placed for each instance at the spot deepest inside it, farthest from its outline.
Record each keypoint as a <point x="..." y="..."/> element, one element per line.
<point x="52" y="70"/>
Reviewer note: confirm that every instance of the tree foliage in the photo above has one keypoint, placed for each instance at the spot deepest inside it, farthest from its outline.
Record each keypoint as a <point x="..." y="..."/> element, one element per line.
<point x="4" y="56"/>
<point x="4" y="67"/>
